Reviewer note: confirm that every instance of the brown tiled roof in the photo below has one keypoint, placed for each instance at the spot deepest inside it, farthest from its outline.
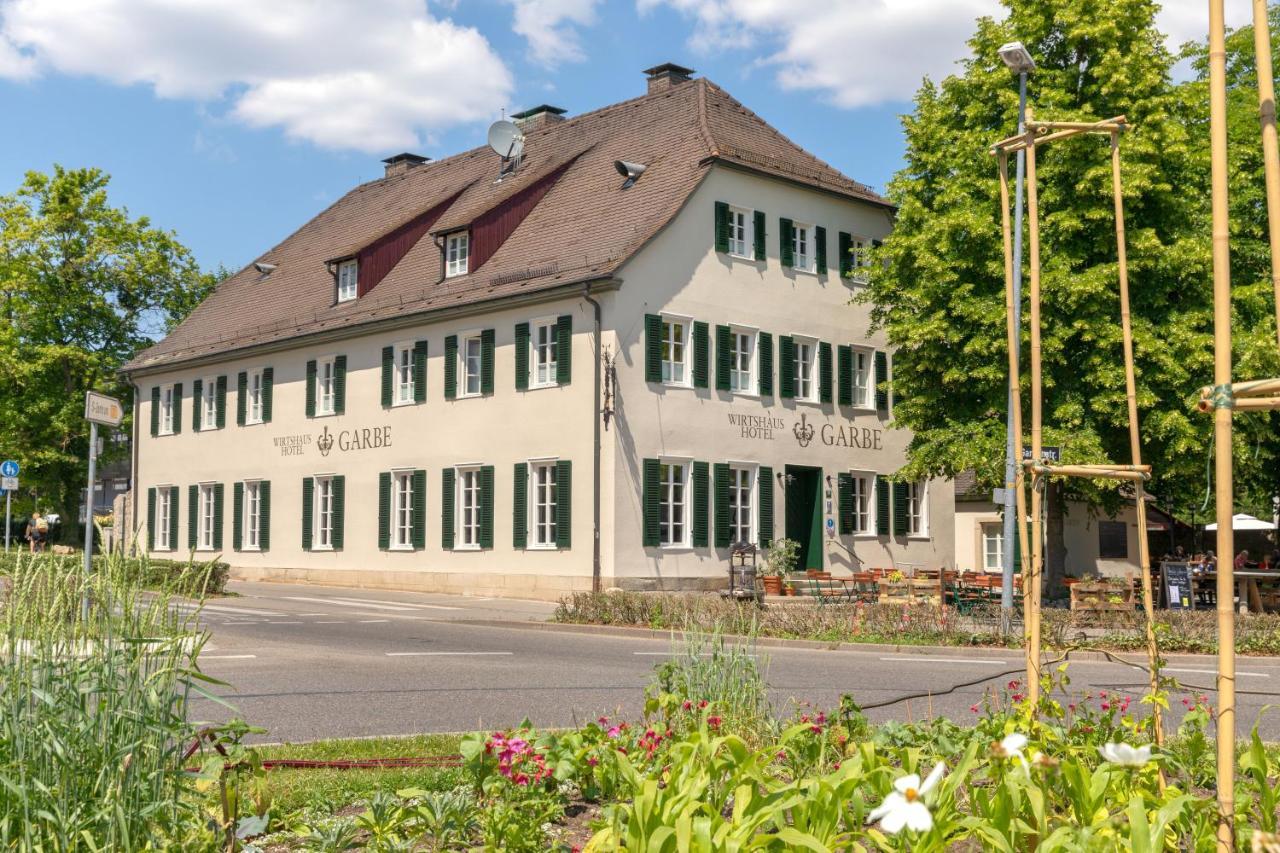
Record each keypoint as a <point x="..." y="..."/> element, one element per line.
<point x="582" y="230"/>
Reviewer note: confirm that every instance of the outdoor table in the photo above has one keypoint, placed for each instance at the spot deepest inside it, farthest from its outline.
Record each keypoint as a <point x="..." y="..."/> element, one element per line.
<point x="1247" y="587"/>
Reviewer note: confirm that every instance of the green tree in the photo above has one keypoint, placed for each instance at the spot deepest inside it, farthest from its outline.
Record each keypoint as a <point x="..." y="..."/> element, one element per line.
<point x="83" y="287"/>
<point x="940" y="295"/>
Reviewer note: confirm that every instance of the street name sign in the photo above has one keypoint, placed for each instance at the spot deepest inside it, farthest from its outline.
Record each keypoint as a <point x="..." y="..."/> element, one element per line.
<point x="101" y="409"/>
<point x="1053" y="454"/>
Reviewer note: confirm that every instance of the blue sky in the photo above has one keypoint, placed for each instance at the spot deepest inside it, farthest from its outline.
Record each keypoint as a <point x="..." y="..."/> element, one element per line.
<point x="231" y="122"/>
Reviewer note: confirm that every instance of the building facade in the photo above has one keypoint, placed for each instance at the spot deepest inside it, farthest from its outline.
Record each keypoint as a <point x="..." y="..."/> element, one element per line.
<point x="563" y="379"/>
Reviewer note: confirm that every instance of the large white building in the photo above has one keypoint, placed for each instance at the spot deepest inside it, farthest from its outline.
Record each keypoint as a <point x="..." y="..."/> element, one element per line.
<point x="557" y="380"/>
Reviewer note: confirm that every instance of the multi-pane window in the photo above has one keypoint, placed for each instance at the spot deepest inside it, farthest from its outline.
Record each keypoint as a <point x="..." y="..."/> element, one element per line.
<point x="471" y="361"/>
<point x="469" y="507"/>
<point x="862" y="502"/>
<point x="402" y="509"/>
<point x="544" y="354"/>
<point x="404" y="374"/>
<point x="545" y="495"/>
<point x="801" y="247"/>
<point x="324" y="387"/>
<point x="457" y="253"/>
<point x="675" y="368"/>
<point x="741" y="352"/>
<point x="209" y="404"/>
<point x="917" y="511"/>
<point x="252" y="539"/>
<point x="806" y="355"/>
<point x="166" y="410"/>
<point x="205" y="517"/>
<point x="740" y="508"/>
<point x="863" y="381"/>
<point x="671" y="503"/>
<point x="992" y="547"/>
<point x="740" y="238"/>
<point x="322" y="536"/>
<point x="347" y="274"/>
<point x="861" y="258"/>
<point x="164" y="518"/>
<point x="253" y="409"/>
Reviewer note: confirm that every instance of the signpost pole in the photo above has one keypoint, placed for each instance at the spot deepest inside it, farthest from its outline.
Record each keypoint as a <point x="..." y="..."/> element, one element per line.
<point x="8" y="523"/>
<point x="88" y="518"/>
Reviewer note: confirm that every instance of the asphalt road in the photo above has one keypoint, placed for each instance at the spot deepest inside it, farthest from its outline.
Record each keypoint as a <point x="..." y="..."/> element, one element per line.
<point x="309" y="662"/>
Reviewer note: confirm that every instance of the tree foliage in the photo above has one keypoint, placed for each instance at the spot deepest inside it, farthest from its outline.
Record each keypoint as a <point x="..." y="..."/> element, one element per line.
<point x="83" y="287"/>
<point x="940" y="295"/>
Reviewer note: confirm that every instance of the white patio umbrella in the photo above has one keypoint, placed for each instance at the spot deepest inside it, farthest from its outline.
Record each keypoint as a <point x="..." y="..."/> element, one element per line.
<point x="1244" y="521"/>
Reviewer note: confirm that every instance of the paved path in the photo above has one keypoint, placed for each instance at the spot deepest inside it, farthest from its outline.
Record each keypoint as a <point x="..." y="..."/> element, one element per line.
<point x="309" y="662"/>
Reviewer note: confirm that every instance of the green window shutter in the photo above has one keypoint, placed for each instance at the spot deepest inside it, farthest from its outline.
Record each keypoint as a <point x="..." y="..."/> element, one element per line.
<point x="786" y="243"/>
<point x="652" y="348"/>
<point x="722" y="226"/>
<point x="701" y="354"/>
<point x="268" y="382"/>
<point x="764" y="356"/>
<point x="844" y="488"/>
<point x="786" y="366"/>
<point x="486" y="506"/>
<point x="173" y="518"/>
<point x="308" y="506"/>
<point x="759" y="232"/>
<point x="420" y="372"/>
<point x="177" y="408"/>
<point x="824" y="372"/>
<point x="520" y="506"/>
<point x="388" y="371"/>
<point x="882" y="505"/>
<point x="486" y="361"/>
<point x="451" y="368"/>
<point x="724" y="530"/>
<point x="264" y="515"/>
<point x="311" y="388"/>
<point x="339" y="384"/>
<point x="384" y="510"/>
<point x="564" y="349"/>
<point x="447" y="497"/>
<point x="899" y="509"/>
<point x="197" y="416"/>
<point x="820" y="253"/>
<point x="217" y="516"/>
<point x="155" y="411"/>
<point x="222" y="401"/>
<point x="522" y="356"/>
<point x="339" y="510"/>
<point x="237" y="516"/>
<point x="765" y="508"/>
<point x="564" y="504"/>
<point x="882" y="376"/>
<point x="724" y="357"/>
<point x="242" y="396"/>
<point x="193" y="518"/>
<point x="701" y="493"/>
<point x="845" y="248"/>
<point x="844" y="375"/>
<point x="651" y="486"/>
<point x="151" y="519"/>
<point x="419" y="524"/>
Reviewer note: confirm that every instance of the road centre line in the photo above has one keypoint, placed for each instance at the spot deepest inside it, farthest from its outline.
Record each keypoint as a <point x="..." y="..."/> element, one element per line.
<point x="246" y="622"/>
<point x="368" y="621"/>
<point x="679" y="654"/>
<point x="1214" y="672"/>
<point x="410" y="604"/>
<point x="336" y="622"/>
<point x="226" y="657"/>
<point x="341" y="603"/>
<point x="443" y="654"/>
<point x="223" y="608"/>
<point x="282" y="622"/>
<point x="916" y="659"/>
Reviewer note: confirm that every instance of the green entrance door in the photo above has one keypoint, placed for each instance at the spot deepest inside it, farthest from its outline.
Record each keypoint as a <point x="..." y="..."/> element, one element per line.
<point x="804" y="513"/>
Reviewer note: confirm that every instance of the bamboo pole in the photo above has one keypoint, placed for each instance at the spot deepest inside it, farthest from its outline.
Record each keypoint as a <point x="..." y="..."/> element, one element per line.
<point x="1088" y="473"/>
<point x="1270" y="149"/>
<point x="1106" y="125"/>
<point x="1252" y="388"/>
<point x="1258" y="403"/>
<point x="1093" y="466"/>
<point x="1019" y="140"/>
<point x="1031" y="594"/>
<point x="1223" y="505"/>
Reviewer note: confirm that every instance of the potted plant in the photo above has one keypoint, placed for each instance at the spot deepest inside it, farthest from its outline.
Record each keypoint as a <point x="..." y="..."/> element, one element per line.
<point x="791" y="588"/>
<point x="895" y="588"/>
<point x="779" y="559"/>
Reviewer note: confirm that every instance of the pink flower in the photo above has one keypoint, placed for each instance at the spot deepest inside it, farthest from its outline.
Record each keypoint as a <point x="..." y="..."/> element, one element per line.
<point x="614" y="732"/>
<point x="702" y="704"/>
<point x="781" y="756"/>
<point x="592" y="760"/>
<point x="714" y="721"/>
<point x="604" y="721"/>
<point x="973" y="708"/>
<point x="1106" y="706"/>
<point x="821" y="719"/>
<point x="688" y="706"/>
<point x="1017" y="697"/>
<point x="1013" y="685"/>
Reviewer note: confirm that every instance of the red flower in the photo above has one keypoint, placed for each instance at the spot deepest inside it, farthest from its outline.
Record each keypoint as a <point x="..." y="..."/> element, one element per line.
<point x="702" y="704"/>
<point x="973" y="708"/>
<point x="688" y="706"/>
<point x="714" y="721"/>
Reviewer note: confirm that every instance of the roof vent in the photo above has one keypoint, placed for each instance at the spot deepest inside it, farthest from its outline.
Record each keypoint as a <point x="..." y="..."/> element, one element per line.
<point x="539" y="116"/>
<point x="630" y="171"/>
<point x="403" y="162"/>
<point x="667" y="75"/>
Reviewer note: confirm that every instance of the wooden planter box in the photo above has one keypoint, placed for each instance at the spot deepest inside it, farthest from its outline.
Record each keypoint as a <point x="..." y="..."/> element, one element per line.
<point x="895" y="592"/>
<point x="1102" y="598"/>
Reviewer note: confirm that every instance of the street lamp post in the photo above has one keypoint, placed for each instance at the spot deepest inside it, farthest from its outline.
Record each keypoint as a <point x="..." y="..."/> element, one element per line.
<point x="1019" y="60"/>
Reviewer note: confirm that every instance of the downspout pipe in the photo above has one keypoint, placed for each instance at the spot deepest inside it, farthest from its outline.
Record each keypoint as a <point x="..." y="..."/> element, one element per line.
<point x="595" y="448"/>
<point x="131" y="524"/>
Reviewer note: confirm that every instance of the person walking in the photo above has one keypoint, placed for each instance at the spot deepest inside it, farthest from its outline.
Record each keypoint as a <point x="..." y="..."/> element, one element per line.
<point x="37" y="532"/>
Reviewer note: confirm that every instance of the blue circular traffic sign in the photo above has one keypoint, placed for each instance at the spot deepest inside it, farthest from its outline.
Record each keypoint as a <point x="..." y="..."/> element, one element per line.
<point x="8" y="468"/>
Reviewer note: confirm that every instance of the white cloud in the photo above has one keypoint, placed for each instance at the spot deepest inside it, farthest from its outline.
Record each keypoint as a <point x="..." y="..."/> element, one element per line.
<point x="548" y="27"/>
<point x="378" y="75"/>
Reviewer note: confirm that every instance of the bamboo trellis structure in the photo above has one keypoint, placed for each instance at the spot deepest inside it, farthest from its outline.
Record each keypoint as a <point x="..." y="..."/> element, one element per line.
<point x="1037" y="134"/>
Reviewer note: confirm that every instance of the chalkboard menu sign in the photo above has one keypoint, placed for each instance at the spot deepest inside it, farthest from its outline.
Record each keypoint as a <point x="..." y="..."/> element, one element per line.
<point x="1177" y="586"/>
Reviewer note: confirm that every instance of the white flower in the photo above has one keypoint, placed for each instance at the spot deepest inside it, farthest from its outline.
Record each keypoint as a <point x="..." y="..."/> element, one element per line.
<point x="1125" y="755"/>
<point x="1012" y="746"/>
<point x="905" y="805"/>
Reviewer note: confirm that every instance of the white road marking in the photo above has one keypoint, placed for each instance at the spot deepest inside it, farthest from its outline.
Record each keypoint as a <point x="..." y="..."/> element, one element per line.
<point x="341" y="603"/>
<point x="246" y="622"/>
<point x="338" y="622"/>
<point x="410" y="604"/>
<point x="442" y="654"/>
<point x="226" y="657"/>
<point x="367" y="621"/>
<point x="1215" y="672"/>
<point x="676" y="654"/>
<point x="914" y="659"/>
<point x="223" y="608"/>
<point x="281" y="622"/>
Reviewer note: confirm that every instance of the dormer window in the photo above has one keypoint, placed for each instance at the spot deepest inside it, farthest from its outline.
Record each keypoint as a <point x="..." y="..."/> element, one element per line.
<point x="347" y="274"/>
<point x="457" y="250"/>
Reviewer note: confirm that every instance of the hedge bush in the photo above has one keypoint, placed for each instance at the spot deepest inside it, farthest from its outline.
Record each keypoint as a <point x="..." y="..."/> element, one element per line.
<point x="184" y="577"/>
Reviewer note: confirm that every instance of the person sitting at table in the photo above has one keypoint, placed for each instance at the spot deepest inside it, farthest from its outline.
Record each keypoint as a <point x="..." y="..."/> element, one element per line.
<point x="1242" y="559"/>
<point x="1180" y="554"/>
<point x="1209" y="563"/>
<point x="1273" y="562"/>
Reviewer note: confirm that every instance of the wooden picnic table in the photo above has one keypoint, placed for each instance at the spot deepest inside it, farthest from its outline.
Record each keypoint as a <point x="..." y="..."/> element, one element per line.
<point x="1247" y="586"/>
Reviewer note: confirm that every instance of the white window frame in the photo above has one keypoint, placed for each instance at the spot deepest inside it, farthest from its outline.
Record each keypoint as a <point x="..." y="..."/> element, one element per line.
<point x="348" y="278"/>
<point x="464" y="343"/>
<point x="253" y="391"/>
<point x="164" y="518"/>
<point x="326" y="389"/>
<point x="736" y="374"/>
<point x="806" y="368"/>
<point x="736" y="491"/>
<point x="322" y="493"/>
<point x="864" y="368"/>
<point x="864" y="503"/>
<point x="542" y="371"/>
<point x="402" y="504"/>
<point x="402" y="380"/>
<point x="206" y="516"/>
<point x="861" y="260"/>
<point x="918" y="509"/>
<point x="742" y="221"/>
<point x="683" y="341"/>
<point x="251" y="519"/>
<point x="543" y="528"/>
<point x="166" y="409"/>
<point x="669" y="487"/>
<point x="991" y="531"/>
<point x="209" y="403"/>
<point x="457" y="253"/>
<point x="467" y="485"/>
<point x="803" y="255"/>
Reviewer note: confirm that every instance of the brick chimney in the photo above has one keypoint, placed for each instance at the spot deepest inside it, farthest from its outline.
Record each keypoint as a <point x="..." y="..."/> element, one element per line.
<point x="401" y="163"/>
<point x="539" y="116"/>
<point x="667" y="75"/>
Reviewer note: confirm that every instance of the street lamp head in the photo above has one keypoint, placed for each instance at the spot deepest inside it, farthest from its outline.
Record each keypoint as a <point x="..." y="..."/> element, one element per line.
<point x="1016" y="56"/>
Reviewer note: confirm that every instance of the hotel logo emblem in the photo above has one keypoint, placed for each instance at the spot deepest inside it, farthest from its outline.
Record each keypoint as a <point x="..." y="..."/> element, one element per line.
<point x="803" y="431"/>
<point x="325" y="442"/>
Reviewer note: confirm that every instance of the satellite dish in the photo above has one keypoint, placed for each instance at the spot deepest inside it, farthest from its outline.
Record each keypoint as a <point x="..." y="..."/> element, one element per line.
<point x="506" y="139"/>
